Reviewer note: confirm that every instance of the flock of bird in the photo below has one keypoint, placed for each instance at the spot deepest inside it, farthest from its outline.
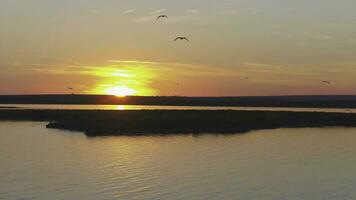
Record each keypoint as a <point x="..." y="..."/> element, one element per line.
<point x="177" y="38"/>
<point x="186" y="39"/>
<point x="182" y="38"/>
<point x="71" y="89"/>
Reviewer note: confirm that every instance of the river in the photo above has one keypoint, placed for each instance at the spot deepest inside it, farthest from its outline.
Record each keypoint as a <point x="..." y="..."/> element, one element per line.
<point x="285" y="164"/>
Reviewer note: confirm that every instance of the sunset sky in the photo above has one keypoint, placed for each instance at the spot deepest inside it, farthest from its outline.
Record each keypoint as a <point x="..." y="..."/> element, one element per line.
<point x="284" y="47"/>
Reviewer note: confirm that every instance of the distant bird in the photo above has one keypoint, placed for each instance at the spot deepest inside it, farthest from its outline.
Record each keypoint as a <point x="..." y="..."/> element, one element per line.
<point x="162" y="16"/>
<point x="181" y="38"/>
<point x="71" y="89"/>
<point x="326" y="82"/>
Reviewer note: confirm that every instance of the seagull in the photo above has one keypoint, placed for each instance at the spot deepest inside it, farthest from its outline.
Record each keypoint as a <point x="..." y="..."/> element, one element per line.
<point x="326" y="82"/>
<point x="71" y="89"/>
<point x="162" y="16"/>
<point x="181" y="38"/>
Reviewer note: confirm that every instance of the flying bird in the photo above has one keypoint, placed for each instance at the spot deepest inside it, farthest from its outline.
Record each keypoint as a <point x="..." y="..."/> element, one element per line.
<point x="162" y="16"/>
<point x="181" y="38"/>
<point x="71" y="89"/>
<point x="326" y="82"/>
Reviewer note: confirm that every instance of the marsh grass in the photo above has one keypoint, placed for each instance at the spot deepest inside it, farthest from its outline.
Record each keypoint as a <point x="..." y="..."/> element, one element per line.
<point x="165" y="122"/>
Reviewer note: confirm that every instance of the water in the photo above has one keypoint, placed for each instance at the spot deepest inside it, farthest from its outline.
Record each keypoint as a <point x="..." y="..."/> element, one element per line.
<point x="284" y="164"/>
<point x="149" y="107"/>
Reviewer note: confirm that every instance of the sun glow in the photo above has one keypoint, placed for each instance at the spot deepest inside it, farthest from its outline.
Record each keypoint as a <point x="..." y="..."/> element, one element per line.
<point x="124" y="81"/>
<point x="121" y="91"/>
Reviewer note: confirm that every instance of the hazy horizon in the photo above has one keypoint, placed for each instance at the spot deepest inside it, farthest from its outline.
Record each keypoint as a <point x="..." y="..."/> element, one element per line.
<point x="236" y="48"/>
<point x="84" y="94"/>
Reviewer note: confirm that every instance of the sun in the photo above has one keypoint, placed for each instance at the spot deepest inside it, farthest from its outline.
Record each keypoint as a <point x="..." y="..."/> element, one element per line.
<point x="123" y="81"/>
<point x="121" y="91"/>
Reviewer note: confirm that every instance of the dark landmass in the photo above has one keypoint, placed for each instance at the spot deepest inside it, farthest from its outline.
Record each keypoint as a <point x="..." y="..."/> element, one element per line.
<point x="270" y="101"/>
<point x="165" y="122"/>
<point x="7" y="107"/>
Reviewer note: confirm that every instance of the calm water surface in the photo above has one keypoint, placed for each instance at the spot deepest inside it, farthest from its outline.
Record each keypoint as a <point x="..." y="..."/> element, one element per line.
<point x="149" y="107"/>
<point x="283" y="164"/>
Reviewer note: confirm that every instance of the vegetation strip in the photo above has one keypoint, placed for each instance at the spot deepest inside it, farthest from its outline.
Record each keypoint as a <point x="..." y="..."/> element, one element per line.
<point x="165" y="122"/>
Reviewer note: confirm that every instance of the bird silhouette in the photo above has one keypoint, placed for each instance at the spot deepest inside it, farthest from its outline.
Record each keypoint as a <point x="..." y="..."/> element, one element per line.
<point x="71" y="89"/>
<point x="181" y="38"/>
<point x="161" y="16"/>
<point x="326" y="82"/>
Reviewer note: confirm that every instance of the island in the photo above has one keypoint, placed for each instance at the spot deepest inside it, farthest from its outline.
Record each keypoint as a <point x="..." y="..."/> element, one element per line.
<point x="167" y="122"/>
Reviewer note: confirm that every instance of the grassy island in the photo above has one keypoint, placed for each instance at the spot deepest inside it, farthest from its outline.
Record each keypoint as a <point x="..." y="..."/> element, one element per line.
<point x="165" y="122"/>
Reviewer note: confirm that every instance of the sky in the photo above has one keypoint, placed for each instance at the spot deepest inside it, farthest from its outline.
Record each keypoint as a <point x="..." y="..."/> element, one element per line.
<point x="236" y="48"/>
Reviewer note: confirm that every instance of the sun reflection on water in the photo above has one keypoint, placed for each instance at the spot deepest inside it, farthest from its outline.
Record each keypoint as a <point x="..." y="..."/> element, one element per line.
<point x="120" y="107"/>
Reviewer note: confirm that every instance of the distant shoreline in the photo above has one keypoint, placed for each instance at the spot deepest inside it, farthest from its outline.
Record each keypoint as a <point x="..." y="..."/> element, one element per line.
<point x="167" y="122"/>
<point x="8" y="107"/>
<point x="317" y="101"/>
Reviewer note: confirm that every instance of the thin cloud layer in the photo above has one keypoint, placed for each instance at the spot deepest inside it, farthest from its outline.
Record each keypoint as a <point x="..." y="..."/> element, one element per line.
<point x="128" y="11"/>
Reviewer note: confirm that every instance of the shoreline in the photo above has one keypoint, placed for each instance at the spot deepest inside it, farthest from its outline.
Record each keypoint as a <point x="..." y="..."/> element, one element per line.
<point x="169" y="122"/>
<point x="302" y="101"/>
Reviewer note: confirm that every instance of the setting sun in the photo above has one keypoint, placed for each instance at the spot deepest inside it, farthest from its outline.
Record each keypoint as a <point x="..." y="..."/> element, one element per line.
<point x="123" y="80"/>
<point x="121" y="91"/>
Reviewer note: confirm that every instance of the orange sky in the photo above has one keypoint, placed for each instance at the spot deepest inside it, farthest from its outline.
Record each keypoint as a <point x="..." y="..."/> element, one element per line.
<point x="236" y="48"/>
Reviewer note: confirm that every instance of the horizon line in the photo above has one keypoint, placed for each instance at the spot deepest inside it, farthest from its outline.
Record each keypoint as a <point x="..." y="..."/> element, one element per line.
<point x="182" y="96"/>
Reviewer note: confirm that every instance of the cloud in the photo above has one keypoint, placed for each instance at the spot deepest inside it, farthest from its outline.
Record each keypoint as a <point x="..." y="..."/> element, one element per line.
<point x="324" y="37"/>
<point x="144" y="19"/>
<point x="95" y="11"/>
<point x="304" y="44"/>
<point x="16" y="64"/>
<point x="21" y="56"/>
<point x="167" y="69"/>
<point x="228" y="12"/>
<point x="125" y="12"/>
<point x="162" y="10"/>
<point x="158" y="65"/>
<point x="352" y="41"/>
<point x="257" y="13"/>
<point x="192" y="11"/>
<point x="279" y="73"/>
<point x="186" y="69"/>
<point x="188" y="15"/>
<point x="286" y="73"/>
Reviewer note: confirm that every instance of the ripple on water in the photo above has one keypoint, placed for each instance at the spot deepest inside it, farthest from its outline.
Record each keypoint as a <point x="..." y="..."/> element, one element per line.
<point x="37" y="163"/>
